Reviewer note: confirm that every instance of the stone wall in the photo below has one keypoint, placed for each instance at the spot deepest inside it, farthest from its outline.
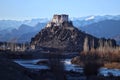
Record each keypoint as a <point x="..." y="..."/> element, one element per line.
<point x="60" y="18"/>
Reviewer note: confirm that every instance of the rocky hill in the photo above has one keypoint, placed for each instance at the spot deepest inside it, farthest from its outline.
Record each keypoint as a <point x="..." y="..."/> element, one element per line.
<point x="62" y="35"/>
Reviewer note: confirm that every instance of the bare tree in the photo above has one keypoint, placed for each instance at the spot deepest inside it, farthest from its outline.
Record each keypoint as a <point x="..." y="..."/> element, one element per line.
<point x="86" y="46"/>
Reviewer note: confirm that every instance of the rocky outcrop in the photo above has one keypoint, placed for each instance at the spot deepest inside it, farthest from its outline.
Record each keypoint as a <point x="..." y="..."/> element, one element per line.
<point x="63" y="36"/>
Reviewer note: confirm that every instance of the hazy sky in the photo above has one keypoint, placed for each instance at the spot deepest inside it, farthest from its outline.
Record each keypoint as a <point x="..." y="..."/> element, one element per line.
<point x="27" y="9"/>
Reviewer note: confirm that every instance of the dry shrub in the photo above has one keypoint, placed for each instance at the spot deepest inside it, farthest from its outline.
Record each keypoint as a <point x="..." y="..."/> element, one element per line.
<point x="112" y="65"/>
<point x="105" y="50"/>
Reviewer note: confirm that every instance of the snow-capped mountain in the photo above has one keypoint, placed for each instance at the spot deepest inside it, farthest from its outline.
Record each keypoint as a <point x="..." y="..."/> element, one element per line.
<point x="13" y="24"/>
<point x="79" y="21"/>
<point x="84" y="21"/>
<point x="33" y="22"/>
<point x="90" y="18"/>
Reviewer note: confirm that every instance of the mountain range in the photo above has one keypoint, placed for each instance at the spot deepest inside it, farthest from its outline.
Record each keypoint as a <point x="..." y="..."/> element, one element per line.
<point x="22" y="34"/>
<point x="100" y="26"/>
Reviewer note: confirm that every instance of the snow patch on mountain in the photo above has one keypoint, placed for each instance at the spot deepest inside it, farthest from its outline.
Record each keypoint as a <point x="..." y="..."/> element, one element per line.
<point x="90" y="18"/>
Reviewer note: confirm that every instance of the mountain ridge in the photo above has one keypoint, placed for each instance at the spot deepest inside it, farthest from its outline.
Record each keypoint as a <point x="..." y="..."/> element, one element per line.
<point x="80" y="23"/>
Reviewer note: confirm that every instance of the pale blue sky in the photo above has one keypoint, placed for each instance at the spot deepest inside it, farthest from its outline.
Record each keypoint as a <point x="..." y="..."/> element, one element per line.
<point x="28" y="9"/>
